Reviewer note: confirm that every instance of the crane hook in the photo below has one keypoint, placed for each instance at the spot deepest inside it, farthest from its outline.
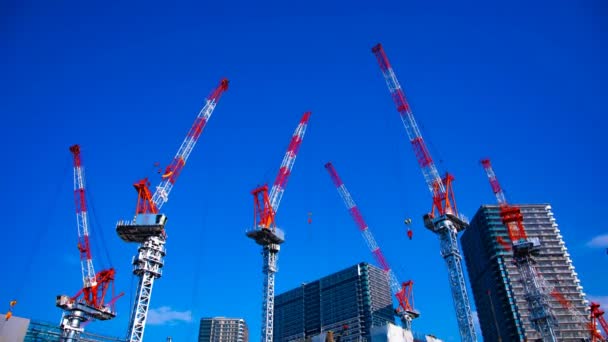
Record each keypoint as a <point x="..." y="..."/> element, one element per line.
<point x="408" y="223"/>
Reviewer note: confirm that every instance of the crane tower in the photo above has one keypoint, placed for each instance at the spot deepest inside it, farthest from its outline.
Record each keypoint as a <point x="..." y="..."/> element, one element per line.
<point x="443" y="219"/>
<point x="524" y="251"/>
<point x="88" y="303"/>
<point x="402" y="291"/>
<point x="148" y="225"/>
<point x="266" y="233"/>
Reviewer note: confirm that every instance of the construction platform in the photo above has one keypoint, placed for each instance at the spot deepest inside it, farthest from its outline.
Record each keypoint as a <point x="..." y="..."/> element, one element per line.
<point x="266" y="236"/>
<point x="68" y="304"/>
<point x="413" y="313"/>
<point x="144" y="227"/>
<point x="527" y="247"/>
<point x="431" y="223"/>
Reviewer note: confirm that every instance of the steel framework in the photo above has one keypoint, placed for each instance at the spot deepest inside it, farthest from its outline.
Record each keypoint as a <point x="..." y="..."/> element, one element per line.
<point x="265" y="232"/>
<point x="443" y="219"/>
<point x="148" y="226"/>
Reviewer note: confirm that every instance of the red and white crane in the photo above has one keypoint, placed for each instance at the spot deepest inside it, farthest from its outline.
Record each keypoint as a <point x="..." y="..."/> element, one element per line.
<point x="597" y="316"/>
<point x="148" y="226"/>
<point x="443" y="219"/>
<point x="525" y="249"/>
<point x="266" y="233"/>
<point x="89" y="303"/>
<point x="401" y="291"/>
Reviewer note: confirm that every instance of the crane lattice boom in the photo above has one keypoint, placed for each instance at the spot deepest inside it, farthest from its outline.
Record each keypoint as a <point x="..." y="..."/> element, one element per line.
<point x="442" y="197"/>
<point x="401" y="291"/>
<point x="154" y="203"/>
<point x="266" y="204"/>
<point x="278" y="188"/>
<point x="86" y="263"/>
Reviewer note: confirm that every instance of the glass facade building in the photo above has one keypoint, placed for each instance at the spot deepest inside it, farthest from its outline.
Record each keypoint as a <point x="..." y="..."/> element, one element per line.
<point x="222" y="329"/>
<point x="47" y="332"/>
<point x="358" y="297"/>
<point x="497" y="289"/>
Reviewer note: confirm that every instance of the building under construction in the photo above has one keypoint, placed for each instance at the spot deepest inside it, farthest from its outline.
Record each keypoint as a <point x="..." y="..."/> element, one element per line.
<point x="348" y="303"/>
<point x="497" y="289"/>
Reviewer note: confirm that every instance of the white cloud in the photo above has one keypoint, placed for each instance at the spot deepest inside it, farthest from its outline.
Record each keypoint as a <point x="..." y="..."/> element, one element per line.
<point x="599" y="241"/>
<point x="165" y="315"/>
<point x="602" y="300"/>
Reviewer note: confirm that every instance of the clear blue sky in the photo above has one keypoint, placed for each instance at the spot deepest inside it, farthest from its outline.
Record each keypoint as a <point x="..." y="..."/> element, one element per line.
<point x="524" y="85"/>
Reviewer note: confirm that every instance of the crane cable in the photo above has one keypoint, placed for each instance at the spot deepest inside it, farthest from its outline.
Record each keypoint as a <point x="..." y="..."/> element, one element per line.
<point x="199" y="262"/>
<point x="41" y="233"/>
<point x="98" y="231"/>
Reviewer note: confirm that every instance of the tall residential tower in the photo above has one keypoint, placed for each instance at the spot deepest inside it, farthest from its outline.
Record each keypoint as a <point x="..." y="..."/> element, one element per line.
<point x="499" y="297"/>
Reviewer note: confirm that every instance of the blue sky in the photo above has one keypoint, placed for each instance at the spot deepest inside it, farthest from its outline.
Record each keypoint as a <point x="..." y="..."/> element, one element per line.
<point x="524" y="85"/>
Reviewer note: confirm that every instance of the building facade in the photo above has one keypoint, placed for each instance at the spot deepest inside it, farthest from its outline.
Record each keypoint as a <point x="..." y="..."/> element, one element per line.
<point x="348" y="303"/>
<point x="497" y="289"/>
<point x="222" y="329"/>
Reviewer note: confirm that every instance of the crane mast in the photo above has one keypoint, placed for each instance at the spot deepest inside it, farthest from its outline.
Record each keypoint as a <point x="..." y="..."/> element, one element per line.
<point x="88" y="303"/>
<point x="524" y="251"/>
<point x="148" y="226"/>
<point x="265" y="232"/>
<point x="443" y="219"/>
<point x="402" y="291"/>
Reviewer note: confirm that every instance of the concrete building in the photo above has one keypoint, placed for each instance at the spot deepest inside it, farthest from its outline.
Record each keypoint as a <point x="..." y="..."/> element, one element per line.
<point x="350" y="301"/>
<point x="222" y="329"/>
<point x="497" y="289"/>
<point x="14" y="329"/>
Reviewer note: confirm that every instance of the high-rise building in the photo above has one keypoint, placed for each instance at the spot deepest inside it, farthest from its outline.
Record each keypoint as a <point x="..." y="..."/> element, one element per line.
<point x="502" y="309"/>
<point x="348" y="303"/>
<point x="222" y="329"/>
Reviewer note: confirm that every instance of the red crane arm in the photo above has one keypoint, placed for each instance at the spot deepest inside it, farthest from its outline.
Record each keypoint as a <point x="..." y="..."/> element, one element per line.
<point x="82" y="222"/>
<point x="511" y="214"/>
<point x="95" y="284"/>
<point x="265" y="204"/>
<point x="402" y="292"/>
<point x="443" y="195"/>
<point x="148" y="203"/>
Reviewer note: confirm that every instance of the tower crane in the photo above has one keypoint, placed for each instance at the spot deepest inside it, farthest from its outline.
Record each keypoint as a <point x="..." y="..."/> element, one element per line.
<point x="402" y="291"/>
<point x="597" y="315"/>
<point x="89" y="303"/>
<point x="266" y="233"/>
<point x="525" y="250"/>
<point x="148" y="225"/>
<point x="443" y="219"/>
